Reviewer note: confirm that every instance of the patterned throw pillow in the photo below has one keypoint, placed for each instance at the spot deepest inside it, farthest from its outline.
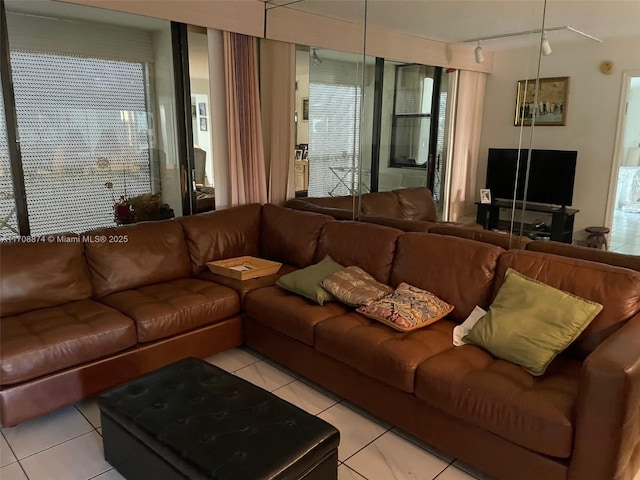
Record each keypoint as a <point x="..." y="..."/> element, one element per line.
<point x="355" y="287"/>
<point x="407" y="308"/>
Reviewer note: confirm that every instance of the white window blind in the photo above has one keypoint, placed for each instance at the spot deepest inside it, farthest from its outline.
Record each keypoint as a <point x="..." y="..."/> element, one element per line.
<point x="334" y="127"/>
<point x="8" y="219"/>
<point x="82" y="122"/>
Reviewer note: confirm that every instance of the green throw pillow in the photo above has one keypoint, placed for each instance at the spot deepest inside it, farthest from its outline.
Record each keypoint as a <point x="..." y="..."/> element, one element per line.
<point x="308" y="281"/>
<point x="529" y="322"/>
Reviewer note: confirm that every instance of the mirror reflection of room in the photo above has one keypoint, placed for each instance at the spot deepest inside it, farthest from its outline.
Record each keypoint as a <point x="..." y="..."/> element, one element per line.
<point x="201" y="119"/>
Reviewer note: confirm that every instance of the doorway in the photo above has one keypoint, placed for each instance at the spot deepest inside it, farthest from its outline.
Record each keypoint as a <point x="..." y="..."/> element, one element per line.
<point x="625" y="208"/>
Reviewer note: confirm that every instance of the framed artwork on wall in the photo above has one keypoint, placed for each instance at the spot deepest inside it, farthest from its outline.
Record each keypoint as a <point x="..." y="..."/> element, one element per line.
<point x="305" y="109"/>
<point x="550" y="104"/>
<point x="203" y="124"/>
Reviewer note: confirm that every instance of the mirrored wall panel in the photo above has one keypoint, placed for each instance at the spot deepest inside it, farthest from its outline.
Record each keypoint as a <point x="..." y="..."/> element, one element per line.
<point x="95" y="104"/>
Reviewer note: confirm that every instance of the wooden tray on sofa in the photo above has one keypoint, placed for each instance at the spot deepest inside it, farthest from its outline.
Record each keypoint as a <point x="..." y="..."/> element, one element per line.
<point x="244" y="268"/>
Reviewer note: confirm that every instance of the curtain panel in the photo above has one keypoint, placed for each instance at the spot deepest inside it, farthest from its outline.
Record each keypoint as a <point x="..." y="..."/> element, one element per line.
<point x="466" y="144"/>
<point x="277" y="85"/>
<point x="247" y="177"/>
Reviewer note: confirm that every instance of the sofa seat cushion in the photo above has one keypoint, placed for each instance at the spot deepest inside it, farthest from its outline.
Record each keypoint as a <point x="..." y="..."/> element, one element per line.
<point x="289" y="313"/>
<point x="534" y="412"/>
<point x="47" y="340"/>
<point x="380" y="351"/>
<point x="168" y="308"/>
<point x="242" y="287"/>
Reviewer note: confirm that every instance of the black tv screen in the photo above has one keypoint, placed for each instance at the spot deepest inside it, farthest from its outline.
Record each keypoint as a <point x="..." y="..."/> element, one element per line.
<point x="551" y="175"/>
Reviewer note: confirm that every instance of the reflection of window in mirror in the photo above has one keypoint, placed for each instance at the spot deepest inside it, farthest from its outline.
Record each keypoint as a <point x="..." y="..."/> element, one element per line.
<point x="411" y="121"/>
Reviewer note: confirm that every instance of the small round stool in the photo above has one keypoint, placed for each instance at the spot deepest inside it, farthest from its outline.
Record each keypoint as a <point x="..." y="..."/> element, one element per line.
<point x="596" y="238"/>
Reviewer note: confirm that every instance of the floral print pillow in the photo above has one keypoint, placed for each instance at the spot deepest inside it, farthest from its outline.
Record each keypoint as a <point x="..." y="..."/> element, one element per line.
<point x="407" y="308"/>
<point x="355" y="287"/>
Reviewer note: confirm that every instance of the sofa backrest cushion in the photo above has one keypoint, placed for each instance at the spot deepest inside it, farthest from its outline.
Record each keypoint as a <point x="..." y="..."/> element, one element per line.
<point x="136" y="255"/>
<point x="459" y="271"/>
<point x="586" y="253"/>
<point x="344" y="203"/>
<point x="503" y="240"/>
<point x="337" y="213"/>
<point x="416" y="204"/>
<point x="616" y="289"/>
<point x="43" y="274"/>
<point x="381" y="204"/>
<point x="291" y="236"/>
<point x="365" y="245"/>
<point x="399" y="223"/>
<point x="229" y="233"/>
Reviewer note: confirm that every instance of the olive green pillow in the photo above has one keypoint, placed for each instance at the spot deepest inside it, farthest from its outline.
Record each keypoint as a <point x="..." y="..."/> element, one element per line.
<point x="307" y="282"/>
<point x="529" y="322"/>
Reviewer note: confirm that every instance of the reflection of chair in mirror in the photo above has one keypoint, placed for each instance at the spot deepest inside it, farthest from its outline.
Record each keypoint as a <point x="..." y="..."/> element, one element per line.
<point x="5" y="221"/>
<point x="205" y="196"/>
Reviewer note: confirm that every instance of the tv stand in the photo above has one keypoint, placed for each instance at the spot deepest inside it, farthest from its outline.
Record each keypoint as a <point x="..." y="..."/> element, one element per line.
<point x="488" y="215"/>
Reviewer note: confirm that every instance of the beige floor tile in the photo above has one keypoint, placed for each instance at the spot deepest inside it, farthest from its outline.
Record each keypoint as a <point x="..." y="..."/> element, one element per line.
<point x="6" y="455"/>
<point x="90" y="410"/>
<point x="356" y="430"/>
<point x="453" y="473"/>
<point x="305" y="397"/>
<point x="345" y="473"/>
<point x="46" y="431"/>
<point x="233" y="359"/>
<point x="78" y="459"/>
<point x="12" y="471"/>
<point x="110" y="475"/>
<point x="394" y="457"/>
<point x="265" y="376"/>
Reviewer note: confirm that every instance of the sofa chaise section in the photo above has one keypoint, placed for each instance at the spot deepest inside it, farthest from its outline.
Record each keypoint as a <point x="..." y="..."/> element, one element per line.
<point x="50" y="324"/>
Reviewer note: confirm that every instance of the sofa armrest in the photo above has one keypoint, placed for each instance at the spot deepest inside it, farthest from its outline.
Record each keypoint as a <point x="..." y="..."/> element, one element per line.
<point x="607" y="436"/>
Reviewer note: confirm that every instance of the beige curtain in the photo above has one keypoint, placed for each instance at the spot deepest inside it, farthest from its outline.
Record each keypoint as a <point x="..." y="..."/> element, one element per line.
<point x="466" y="144"/>
<point x="247" y="179"/>
<point x="277" y="86"/>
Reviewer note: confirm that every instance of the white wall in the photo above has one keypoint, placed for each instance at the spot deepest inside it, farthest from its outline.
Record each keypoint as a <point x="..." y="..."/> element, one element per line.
<point x="631" y="139"/>
<point x="592" y="113"/>
<point x="302" y="79"/>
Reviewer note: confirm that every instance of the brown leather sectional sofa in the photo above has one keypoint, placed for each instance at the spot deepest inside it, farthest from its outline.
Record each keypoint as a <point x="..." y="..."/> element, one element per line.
<point x="80" y="317"/>
<point x="405" y="205"/>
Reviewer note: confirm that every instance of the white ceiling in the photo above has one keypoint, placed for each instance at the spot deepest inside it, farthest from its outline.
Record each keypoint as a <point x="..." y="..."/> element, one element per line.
<point x="459" y="20"/>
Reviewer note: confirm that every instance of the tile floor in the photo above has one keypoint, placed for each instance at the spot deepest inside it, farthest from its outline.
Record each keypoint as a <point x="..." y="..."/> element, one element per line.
<point x="67" y="444"/>
<point x="625" y="233"/>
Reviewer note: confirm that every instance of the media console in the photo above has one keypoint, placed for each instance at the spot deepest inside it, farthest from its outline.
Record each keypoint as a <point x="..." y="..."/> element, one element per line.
<point x="488" y="215"/>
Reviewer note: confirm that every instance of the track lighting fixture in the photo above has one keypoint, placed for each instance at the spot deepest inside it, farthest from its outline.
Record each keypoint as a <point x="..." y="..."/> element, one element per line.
<point x="546" y="47"/>
<point x="479" y="54"/>
<point x="314" y="57"/>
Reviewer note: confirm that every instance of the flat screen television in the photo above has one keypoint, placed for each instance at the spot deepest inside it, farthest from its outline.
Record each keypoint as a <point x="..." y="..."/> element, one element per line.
<point x="551" y="175"/>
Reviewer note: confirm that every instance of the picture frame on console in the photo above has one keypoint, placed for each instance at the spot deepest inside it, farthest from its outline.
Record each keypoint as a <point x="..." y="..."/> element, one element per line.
<point x="551" y="101"/>
<point x="485" y="195"/>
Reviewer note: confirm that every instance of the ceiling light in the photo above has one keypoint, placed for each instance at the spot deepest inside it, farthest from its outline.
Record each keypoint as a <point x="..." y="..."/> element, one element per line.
<point x="479" y="54"/>
<point x="314" y="57"/>
<point x="546" y="47"/>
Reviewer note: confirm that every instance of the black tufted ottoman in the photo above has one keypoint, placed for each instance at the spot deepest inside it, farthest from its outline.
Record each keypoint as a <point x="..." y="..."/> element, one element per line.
<point x="191" y="420"/>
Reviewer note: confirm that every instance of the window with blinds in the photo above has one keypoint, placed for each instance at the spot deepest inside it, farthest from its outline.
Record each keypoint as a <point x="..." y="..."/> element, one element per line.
<point x="83" y="125"/>
<point x="8" y="218"/>
<point x="334" y="139"/>
<point x="334" y="128"/>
